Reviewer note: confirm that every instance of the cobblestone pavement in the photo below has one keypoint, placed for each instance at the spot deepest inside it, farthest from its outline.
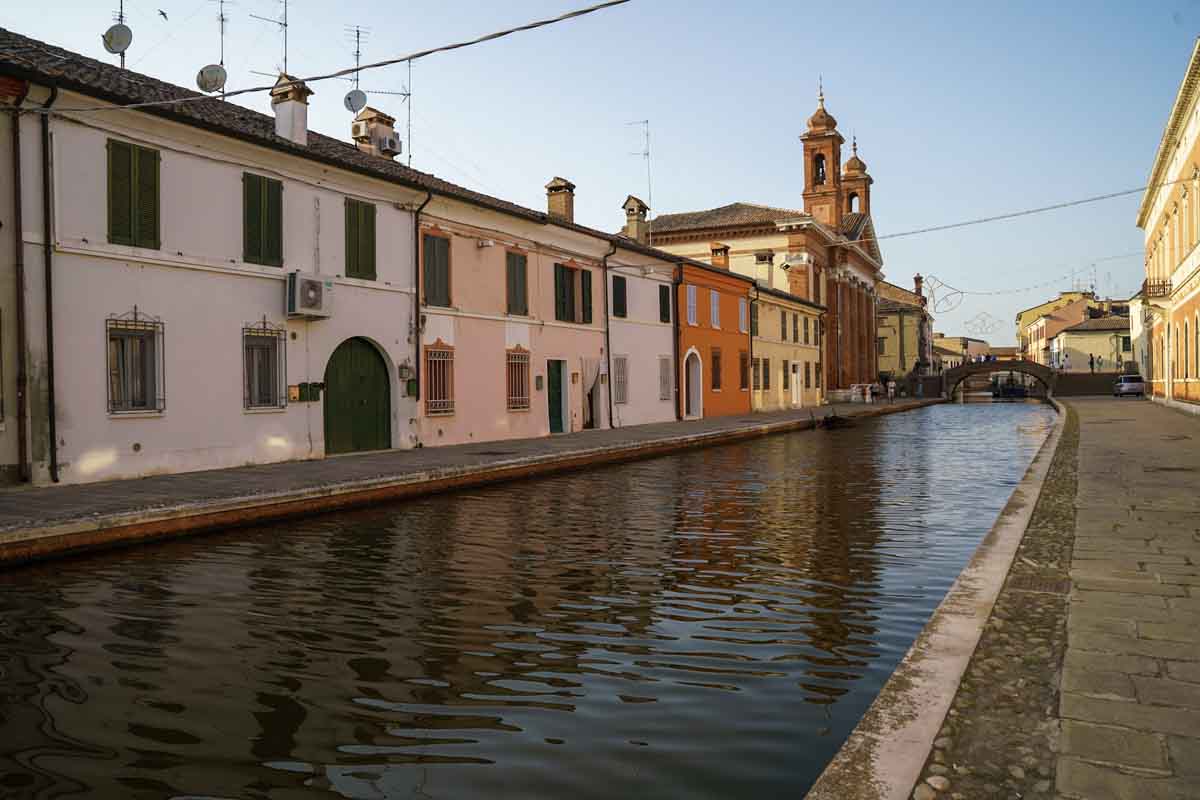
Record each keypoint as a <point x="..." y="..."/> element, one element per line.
<point x="26" y="508"/>
<point x="1093" y="695"/>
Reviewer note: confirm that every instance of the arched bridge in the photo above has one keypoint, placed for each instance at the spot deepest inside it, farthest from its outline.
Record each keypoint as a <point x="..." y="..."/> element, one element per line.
<point x="951" y="378"/>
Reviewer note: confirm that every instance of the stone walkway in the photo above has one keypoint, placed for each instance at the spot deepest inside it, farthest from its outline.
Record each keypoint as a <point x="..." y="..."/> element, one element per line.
<point x="40" y="513"/>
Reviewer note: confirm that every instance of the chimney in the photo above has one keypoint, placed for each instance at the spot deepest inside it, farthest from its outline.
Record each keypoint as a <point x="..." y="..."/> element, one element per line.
<point x="560" y="199"/>
<point x="765" y="258"/>
<point x="289" y="99"/>
<point x="719" y="255"/>
<point x="636" y="226"/>
<point x="918" y="285"/>
<point x="374" y="132"/>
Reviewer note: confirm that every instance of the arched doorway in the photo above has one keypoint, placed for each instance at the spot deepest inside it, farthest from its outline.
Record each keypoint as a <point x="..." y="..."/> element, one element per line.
<point x="693" y="402"/>
<point x="358" y="403"/>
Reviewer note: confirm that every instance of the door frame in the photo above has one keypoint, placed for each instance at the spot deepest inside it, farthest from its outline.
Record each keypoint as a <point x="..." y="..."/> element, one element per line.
<point x="694" y="389"/>
<point x="564" y="383"/>
<point x="389" y="399"/>
<point x="797" y="387"/>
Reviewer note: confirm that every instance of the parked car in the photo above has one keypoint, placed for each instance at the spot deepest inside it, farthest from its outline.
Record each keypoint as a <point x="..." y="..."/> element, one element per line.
<point x="1129" y="384"/>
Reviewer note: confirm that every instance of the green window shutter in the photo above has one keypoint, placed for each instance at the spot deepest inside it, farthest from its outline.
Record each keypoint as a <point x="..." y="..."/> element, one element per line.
<point x="437" y="271"/>
<point x="351" y="238"/>
<point x="146" y="197"/>
<point x="560" y="293"/>
<point x="619" y="303"/>
<point x="515" y="268"/>
<point x="754" y="319"/>
<point x="664" y="304"/>
<point x="252" y="223"/>
<point x="273" y="223"/>
<point x="585" y="295"/>
<point x="366" y="239"/>
<point x="523" y="284"/>
<point x="120" y="192"/>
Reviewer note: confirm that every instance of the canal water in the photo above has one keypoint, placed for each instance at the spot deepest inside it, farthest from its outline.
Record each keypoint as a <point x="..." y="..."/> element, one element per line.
<point x="710" y="624"/>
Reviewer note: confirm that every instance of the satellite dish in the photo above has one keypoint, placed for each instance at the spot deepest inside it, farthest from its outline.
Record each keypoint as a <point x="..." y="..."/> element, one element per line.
<point x="356" y="100"/>
<point x="117" y="39"/>
<point x="211" y="78"/>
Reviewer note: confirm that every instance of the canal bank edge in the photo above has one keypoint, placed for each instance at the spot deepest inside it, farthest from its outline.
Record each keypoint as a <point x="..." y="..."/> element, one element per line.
<point x="885" y="754"/>
<point x="92" y="531"/>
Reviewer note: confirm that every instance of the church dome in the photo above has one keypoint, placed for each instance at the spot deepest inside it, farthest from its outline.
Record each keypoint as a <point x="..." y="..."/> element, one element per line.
<point x="855" y="166"/>
<point x="822" y="120"/>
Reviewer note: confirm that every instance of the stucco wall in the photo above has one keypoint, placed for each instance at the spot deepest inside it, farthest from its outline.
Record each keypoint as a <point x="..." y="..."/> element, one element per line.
<point x="643" y="338"/>
<point x="702" y="338"/>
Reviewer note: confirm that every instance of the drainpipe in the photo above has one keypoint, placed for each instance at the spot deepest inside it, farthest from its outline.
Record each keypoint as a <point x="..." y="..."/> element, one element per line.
<point x="750" y="337"/>
<point x="48" y="263"/>
<point x="676" y="282"/>
<point x="22" y="335"/>
<point x="607" y="338"/>
<point x="416" y="319"/>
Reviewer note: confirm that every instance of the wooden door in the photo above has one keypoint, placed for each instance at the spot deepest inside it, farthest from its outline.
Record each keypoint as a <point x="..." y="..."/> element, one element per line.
<point x="554" y="394"/>
<point x="357" y="399"/>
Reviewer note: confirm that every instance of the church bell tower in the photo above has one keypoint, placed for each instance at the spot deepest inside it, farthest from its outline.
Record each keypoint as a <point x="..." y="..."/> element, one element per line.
<point x="823" y="196"/>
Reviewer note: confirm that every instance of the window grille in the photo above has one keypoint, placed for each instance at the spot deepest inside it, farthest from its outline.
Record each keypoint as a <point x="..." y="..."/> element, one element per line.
<point x="264" y="366"/>
<point x="136" y="371"/>
<point x="439" y="387"/>
<point x="620" y="379"/>
<point x="518" y="380"/>
<point x="665" y="382"/>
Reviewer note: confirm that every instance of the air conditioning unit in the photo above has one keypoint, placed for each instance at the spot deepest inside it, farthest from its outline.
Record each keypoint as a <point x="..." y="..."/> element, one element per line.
<point x="390" y="145"/>
<point x="360" y="130"/>
<point x="308" y="296"/>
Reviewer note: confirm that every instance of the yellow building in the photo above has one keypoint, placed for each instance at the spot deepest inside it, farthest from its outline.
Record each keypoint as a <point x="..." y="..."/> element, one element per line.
<point x="786" y="361"/>
<point x="904" y="330"/>
<point x="1169" y="303"/>
<point x="1101" y="344"/>
<point x="1037" y="325"/>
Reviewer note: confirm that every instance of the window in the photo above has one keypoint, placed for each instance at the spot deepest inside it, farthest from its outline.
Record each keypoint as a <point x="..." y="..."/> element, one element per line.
<point x="881" y="343"/>
<point x="757" y="375"/>
<point x="665" y="382"/>
<point x="572" y="294"/>
<point x="264" y="371"/>
<point x="787" y="379"/>
<point x="796" y="327"/>
<point x="1126" y="344"/>
<point x="262" y="220"/>
<point x="807" y="375"/>
<point x="437" y="271"/>
<point x="743" y="314"/>
<point x="664" y="303"/>
<point x="818" y="169"/>
<point x="516" y="282"/>
<point x="743" y="370"/>
<point x="817" y="375"/>
<point x="619" y="308"/>
<point x="691" y="305"/>
<point x="135" y="365"/>
<point x="714" y="304"/>
<point x="818" y="330"/>
<point x="517" y="371"/>
<point x="766" y="373"/>
<point x="439" y="380"/>
<point x="133" y="213"/>
<point x="754" y="319"/>
<point x="360" y="239"/>
<point x="783" y="325"/>
<point x="806" y="330"/>
<point x="620" y="379"/>
<point x="716" y="369"/>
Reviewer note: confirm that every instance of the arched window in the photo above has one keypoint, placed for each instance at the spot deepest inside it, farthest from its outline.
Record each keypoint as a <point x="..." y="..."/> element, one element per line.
<point x="852" y="202"/>
<point x="818" y="169"/>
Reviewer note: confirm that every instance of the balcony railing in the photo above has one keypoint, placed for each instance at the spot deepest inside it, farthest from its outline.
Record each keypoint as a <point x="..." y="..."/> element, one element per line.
<point x="1156" y="287"/>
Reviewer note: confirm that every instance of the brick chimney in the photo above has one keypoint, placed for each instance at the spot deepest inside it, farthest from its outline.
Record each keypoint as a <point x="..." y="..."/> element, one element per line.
<point x="720" y="255"/>
<point x="374" y="132"/>
<point x="560" y="199"/>
<point x="765" y="259"/>
<point x="289" y="100"/>
<point x="636" y="226"/>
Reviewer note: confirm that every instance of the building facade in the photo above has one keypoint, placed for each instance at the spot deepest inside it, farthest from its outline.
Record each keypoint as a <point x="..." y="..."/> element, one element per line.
<point x="714" y="342"/>
<point x="905" y="330"/>
<point x="1101" y="344"/>
<point x="785" y="365"/>
<point x="1169" y="216"/>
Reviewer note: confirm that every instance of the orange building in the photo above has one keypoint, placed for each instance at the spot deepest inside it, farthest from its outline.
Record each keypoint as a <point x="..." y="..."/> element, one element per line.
<point x="714" y="341"/>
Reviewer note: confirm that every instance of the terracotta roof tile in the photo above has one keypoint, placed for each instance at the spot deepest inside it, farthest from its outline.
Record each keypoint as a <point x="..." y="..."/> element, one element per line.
<point x="734" y="214"/>
<point x="1110" y="323"/>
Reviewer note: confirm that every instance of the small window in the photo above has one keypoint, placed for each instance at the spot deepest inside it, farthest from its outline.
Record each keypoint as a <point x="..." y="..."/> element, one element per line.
<point x="135" y="364"/>
<point x="620" y="379"/>
<point x="806" y="330"/>
<point x="360" y="239"/>
<point x="743" y="370"/>
<point x="757" y="374"/>
<point x="807" y="375"/>
<point x="783" y="325"/>
<point x="439" y="381"/>
<point x="796" y="327"/>
<point x="516" y="274"/>
<point x="436" y="257"/>
<point x="766" y="373"/>
<point x="264" y="374"/>
<point x="787" y="378"/>
<point x="817" y="375"/>
<point x="691" y="306"/>
<point x="572" y="294"/>
<point x="754" y="319"/>
<point x="665" y="382"/>
<point x="262" y="220"/>
<point x="743" y="314"/>
<point x="517" y="369"/>
<point x="664" y="303"/>
<point x="714" y="302"/>
<point x="716" y="369"/>
<point x="619" y="308"/>
<point x="133" y="202"/>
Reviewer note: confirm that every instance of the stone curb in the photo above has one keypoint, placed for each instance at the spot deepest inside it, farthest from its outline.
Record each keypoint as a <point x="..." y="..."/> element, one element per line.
<point x="884" y="754"/>
<point x="89" y="532"/>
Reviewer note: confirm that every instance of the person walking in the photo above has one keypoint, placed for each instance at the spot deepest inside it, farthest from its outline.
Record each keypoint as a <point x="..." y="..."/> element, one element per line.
<point x="1066" y="362"/>
<point x="1100" y="363"/>
<point x="1092" y="361"/>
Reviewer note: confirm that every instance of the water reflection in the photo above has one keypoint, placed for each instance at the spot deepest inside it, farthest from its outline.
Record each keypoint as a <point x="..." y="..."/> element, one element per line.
<point x="705" y="625"/>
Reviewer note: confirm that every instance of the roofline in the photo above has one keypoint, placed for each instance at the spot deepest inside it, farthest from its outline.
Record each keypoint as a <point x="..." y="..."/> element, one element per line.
<point x="1183" y="99"/>
<point x="789" y="296"/>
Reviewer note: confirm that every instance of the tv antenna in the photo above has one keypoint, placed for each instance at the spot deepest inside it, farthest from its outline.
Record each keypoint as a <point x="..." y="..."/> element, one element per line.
<point x="282" y="23"/>
<point x="118" y="37"/>
<point x="645" y="153"/>
<point x="356" y="98"/>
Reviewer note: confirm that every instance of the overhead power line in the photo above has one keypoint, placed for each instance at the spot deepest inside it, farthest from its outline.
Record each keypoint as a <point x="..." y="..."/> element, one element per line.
<point x="355" y="69"/>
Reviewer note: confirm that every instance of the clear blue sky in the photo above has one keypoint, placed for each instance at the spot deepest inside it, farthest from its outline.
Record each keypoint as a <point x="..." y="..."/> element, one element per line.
<point x="961" y="109"/>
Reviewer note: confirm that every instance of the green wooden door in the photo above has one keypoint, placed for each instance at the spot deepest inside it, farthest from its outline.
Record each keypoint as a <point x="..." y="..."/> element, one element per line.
<point x="357" y="399"/>
<point x="554" y="370"/>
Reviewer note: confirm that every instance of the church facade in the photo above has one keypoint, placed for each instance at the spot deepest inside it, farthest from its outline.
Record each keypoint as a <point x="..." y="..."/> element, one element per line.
<point x="824" y="254"/>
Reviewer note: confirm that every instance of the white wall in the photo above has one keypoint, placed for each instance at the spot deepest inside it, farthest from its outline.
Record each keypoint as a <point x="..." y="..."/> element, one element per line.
<point x="642" y="338"/>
